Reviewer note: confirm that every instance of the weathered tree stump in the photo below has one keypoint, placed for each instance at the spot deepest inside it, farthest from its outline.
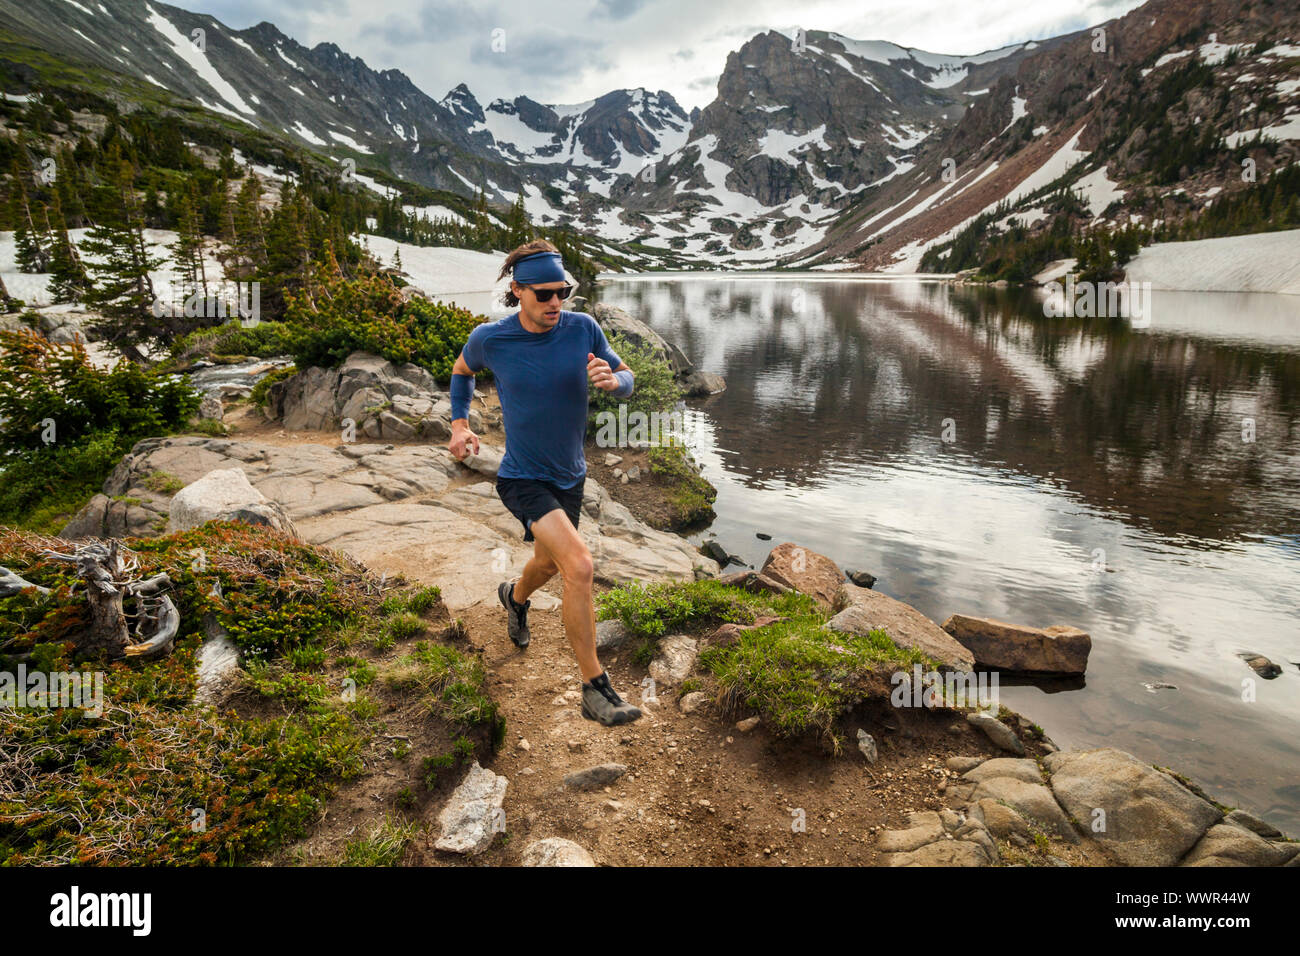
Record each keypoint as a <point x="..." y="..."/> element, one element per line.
<point x="108" y="579"/>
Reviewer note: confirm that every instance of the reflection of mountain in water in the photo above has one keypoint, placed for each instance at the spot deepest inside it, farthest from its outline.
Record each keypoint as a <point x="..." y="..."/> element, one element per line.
<point x="1148" y="425"/>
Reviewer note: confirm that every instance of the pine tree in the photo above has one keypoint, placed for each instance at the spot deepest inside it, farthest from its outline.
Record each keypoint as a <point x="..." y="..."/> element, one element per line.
<point x="482" y="224"/>
<point x="120" y="265"/>
<point x="8" y="303"/>
<point x="31" y="245"/>
<point x="69" y="279"/>
<point x="517" y="227"/>
<point x="288" y="251"/>
<point x="187" y="250"/>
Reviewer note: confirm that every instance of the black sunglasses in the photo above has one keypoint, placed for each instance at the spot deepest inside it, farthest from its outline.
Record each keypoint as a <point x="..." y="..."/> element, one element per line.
<point x="544" y="295"/>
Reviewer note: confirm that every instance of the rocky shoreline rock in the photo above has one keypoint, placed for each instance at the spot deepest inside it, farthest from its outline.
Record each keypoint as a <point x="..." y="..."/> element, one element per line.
<point x="695" y="382"/>
<point x="1113" y="807"/>
<point x="1059" y="649"/>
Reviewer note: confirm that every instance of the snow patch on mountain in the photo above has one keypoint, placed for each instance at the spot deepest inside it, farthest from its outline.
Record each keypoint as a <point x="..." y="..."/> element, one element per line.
<point x="198" y="61"/>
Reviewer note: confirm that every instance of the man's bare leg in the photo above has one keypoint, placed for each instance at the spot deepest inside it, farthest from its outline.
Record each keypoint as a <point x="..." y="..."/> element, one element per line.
<point x="565" y="547"/>
<point x="541" y="567"/>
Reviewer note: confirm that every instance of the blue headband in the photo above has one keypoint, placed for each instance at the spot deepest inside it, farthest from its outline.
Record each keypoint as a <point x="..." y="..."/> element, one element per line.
<point x="539" y="267"/>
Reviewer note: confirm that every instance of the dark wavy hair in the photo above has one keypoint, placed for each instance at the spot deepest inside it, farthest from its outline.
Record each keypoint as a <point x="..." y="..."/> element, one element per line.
<point x="527" y="249"/>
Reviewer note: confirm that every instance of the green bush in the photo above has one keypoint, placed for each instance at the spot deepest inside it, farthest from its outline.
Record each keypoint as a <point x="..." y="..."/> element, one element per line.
<point x="96" y="415"/>
<point x="656" y="609"/>
<point x="656" y="387"/>
<point x="90" y="790"/>
<point x="258" y="396"/>
<point x="362" y="314"/>
<point x="41" y="382"/>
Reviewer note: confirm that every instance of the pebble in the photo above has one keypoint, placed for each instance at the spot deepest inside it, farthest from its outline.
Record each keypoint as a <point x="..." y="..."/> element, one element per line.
<point x="867" y="744"/>
<point x="746" y="725"/>
<point x="594" y="778"/>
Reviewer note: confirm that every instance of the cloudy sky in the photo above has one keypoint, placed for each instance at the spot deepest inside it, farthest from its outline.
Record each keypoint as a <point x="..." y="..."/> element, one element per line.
<point x="569" y="51"/>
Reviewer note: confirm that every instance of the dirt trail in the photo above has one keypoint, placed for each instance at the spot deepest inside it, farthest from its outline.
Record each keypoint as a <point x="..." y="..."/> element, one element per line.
<point x="697" y="790"/>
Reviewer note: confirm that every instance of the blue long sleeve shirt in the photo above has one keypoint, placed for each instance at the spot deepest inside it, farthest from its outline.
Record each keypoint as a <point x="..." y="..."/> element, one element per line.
<point x="541" y="380"/>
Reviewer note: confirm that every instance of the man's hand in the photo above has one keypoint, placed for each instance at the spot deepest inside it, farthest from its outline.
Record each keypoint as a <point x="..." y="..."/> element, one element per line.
<point x="463" y="441"/>
<point x="599" y="372"/>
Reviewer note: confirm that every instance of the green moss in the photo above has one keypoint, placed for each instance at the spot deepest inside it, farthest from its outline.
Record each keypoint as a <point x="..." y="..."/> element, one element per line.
<point x="164" y="483"/>
<point x="801" y="677"/>
<point x="690" y="496"/>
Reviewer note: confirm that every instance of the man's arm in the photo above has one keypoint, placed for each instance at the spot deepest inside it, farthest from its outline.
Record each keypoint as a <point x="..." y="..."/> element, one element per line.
<point x="611" y="380"/>
<point x="463" y="441"/>
<point x="605" y="369"/>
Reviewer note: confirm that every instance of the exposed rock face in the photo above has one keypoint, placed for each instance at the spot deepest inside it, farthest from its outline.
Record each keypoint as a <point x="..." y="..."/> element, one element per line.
<point x="593" y="778"/>
<point x="694" y="382"/>
<point x="1023" y="770"/>
<point x="1059" y="649"/>
<point x="933" y="839"/>
<point x="225" y="495"/>
<point x="473" y="814"/>
<point x="1227" y="845"/>
<point x="613" y="319"/>
<point x="131" y="516"/>
<point x="384" y="401"/>
<point x="998" y="732"/>
<point x="1033" y="801"/>
<point x="698" y="384"/>
<point x="1150" y="819"/>
<point x="211" y="407"/>
<point x="389" y="507"/>
<point x="1106" y="803"/>
<point x="805" y="571"/>
<point x="906" y="626"/>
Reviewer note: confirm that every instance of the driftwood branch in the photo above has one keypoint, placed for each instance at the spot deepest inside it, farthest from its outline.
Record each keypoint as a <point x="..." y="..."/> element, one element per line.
<point x="108" y="575"/>
<point x="11" y="584"/>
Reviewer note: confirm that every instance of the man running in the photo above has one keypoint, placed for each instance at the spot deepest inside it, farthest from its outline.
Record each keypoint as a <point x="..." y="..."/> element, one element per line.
<point x="542" y="359"/>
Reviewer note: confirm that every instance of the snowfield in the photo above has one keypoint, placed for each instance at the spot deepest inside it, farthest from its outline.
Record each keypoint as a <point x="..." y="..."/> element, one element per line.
<point x="1260" y="262"/>
<point x="458" y="276"/>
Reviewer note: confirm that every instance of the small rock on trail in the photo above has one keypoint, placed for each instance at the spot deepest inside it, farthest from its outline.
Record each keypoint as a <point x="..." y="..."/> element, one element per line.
<point x="593" y="778"/>
<point x="472" y="815"/>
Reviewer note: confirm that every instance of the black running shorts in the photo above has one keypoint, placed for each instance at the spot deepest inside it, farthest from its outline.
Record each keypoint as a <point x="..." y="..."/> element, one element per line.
<point x="528" y="499"/>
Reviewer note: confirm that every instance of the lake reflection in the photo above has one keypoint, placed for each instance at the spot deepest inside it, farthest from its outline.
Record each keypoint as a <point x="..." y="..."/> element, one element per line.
<point x="1097" y="475"/>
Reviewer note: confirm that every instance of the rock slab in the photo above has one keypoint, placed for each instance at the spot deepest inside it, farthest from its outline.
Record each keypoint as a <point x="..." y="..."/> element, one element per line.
<point x="805" y="571"/>
<point x="556" y="851"/>
<point x="1030" y="650"/>
<point x="906" y="626"/>
<point x="1148" y="818"/>
<point x="473" y="814"/>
